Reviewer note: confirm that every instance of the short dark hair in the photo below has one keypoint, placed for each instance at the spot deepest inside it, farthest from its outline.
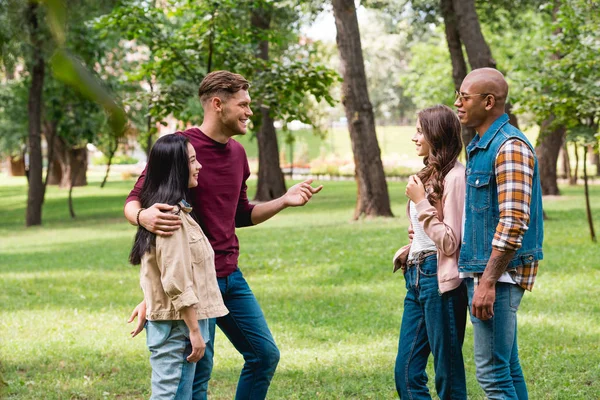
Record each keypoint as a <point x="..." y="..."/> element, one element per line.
<point x="223" y="83"/>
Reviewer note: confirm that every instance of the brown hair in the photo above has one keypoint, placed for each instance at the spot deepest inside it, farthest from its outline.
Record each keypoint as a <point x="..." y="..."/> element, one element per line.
<point x="221" y="83"/>
<point x="441" y="128"/>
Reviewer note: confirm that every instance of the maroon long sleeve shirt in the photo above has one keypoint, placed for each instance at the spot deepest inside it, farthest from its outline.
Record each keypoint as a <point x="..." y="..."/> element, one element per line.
<point x="220" y="200"/>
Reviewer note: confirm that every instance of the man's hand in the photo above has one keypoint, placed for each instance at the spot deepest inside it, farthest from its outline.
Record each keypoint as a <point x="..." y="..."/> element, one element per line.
<point x="198" y="346"/>
<point x="140" y="312"/>
<point x="157" y="220"/>
<point x="300" y="194"/>
<point x="484" y="297"/>
<point x="415" y="190"/>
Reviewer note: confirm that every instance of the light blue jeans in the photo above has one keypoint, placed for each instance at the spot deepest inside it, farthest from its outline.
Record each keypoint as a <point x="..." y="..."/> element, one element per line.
<point x="169" y="345"/>
<point x="496" y="352"/>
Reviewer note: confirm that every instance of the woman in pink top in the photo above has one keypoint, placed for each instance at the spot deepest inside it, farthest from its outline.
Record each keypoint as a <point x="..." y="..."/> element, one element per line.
<point x="436" y="300"/>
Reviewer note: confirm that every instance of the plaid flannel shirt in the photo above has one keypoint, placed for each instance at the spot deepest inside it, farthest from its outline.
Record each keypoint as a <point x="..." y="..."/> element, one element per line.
<point x="514" y="178"/>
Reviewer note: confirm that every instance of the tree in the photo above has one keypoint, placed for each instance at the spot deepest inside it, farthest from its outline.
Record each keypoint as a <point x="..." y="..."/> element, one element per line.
<point x="560" y="79"/>
<point x="37" y="66"/>
<point x="181" y="51"/>
<point x="372" y="197"/>
<point x="271" y="183"/>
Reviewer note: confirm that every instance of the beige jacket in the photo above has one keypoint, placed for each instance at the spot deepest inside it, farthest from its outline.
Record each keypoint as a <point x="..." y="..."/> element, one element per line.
<point x="180" y="272"/>
<point x="443" y="224"/>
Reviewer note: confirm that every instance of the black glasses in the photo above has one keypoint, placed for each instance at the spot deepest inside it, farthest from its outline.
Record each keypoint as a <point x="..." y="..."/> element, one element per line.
<point x="461" y="96"/>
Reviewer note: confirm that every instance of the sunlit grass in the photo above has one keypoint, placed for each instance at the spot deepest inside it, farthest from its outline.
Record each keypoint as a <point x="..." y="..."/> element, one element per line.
<point x="324" y="283"/>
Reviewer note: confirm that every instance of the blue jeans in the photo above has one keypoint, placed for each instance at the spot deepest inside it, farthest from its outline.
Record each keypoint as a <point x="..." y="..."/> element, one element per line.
<point x="246" y="328"/>
<point x="169" y="345"/>
<point x="431" y="323"/>
<point x="496" y="352"/>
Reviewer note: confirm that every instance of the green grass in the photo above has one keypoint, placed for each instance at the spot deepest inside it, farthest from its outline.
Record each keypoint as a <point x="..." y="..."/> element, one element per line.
<point x="394" y="141"/>
<point x="324" y="282"/>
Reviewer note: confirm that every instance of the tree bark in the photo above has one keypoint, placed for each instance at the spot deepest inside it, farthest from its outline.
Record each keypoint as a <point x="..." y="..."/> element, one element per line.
<point x="70" y="165"/>
<point x="36" y="192"/>
<point x="549" y="144"/>
<point x="459" y="66"/>
<point x="111" y="154"/>
<point x="372" y="192"/>
<point x="588" y="208"/>
<point x="478" y="51"/>
<point x="575" y="175"/>
<point x="271" y="183"/>
<point x="566" y="162"/>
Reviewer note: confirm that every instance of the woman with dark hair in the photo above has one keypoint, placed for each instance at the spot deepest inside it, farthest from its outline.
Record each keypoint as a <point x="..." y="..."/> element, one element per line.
<point x="177" y="273"/>
<point x="435" y="305"/>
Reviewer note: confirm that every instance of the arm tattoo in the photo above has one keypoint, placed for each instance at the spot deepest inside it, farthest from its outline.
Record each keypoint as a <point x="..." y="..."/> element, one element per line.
<point x="496" y="265"/>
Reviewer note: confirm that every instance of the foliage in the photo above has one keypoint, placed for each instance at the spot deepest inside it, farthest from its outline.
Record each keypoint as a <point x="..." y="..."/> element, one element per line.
<point x="177" y="50"/>
<point x="13" y="119"/>
<point x="563" y="78"/>
<point x="429" y="77"/>
<point x="77" y="281"/>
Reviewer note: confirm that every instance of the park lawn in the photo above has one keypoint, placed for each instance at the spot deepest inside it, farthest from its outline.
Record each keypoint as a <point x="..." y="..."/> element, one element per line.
<point x="324" y="282"/>
<point x="395" y="141"/>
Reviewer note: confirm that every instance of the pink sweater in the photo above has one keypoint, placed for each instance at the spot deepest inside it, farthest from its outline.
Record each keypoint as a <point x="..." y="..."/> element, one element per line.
<point x="443" y="224"/>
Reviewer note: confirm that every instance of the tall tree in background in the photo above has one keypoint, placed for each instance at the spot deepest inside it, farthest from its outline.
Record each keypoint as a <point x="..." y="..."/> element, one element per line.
<point x="459" y="66"/>
<point x="561" y="81"/>
<point x="256" y="39"/>
<point x="271" y="183"/>
<point x="37" y="66"/>
<point x="372" y="198"/>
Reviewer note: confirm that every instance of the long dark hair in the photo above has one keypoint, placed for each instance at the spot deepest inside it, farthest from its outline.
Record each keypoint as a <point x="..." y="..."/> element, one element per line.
<point x="441" y="128"/>
<point x="167" y="177"/>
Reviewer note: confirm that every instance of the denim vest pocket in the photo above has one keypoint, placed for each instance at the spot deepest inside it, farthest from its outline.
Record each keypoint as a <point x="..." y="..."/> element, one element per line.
<point x="478" y="191"/>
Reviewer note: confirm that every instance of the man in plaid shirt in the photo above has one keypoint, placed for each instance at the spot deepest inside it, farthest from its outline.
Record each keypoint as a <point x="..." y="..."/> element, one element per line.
<point x="503" y="230"/>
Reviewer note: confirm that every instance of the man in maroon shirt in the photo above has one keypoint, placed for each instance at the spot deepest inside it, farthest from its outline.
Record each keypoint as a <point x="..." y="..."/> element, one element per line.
<point x="221" y="204"/>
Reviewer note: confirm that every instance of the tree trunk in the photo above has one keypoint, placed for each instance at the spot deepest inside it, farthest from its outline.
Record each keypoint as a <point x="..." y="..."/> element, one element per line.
<point x="478" y="51"/>
<point x="372" y="194"/>
<point x="35" y="195"/>
<point x="271" y="183"/>
<point x="549" y="144"/>
<point x="575" y="175"/>
<point x="70" y="165"/>
<point x="596" y="161"/>
<point x="566" y="162"/>
<point x="111" y="154"/>
<point x="588" y="209"/>
<point x="459" y="66"/>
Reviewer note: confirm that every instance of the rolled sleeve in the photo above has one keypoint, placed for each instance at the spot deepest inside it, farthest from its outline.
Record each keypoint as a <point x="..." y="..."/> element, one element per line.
<point x="186" y="299"/>
<point x="514" y="177"/>
<point x="174" y="260"/>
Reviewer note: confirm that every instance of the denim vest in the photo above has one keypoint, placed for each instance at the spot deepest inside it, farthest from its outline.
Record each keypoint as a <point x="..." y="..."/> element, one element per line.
<point x="482" y="213"/>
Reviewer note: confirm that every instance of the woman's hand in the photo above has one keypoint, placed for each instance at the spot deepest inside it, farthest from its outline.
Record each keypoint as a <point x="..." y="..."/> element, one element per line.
<point x="140" y="312"/>
<point x="415" y="190"/>
<point x="198" y="346"/>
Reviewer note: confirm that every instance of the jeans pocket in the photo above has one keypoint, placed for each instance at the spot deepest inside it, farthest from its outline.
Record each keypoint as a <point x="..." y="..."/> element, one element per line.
<point x="515" y="295"/>
<point x="157" y="332"/>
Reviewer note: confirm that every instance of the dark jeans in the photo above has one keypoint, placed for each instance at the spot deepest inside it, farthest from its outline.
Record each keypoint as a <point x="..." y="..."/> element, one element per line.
<point x="246" y="328"/>
<point x="431" y="323"/>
